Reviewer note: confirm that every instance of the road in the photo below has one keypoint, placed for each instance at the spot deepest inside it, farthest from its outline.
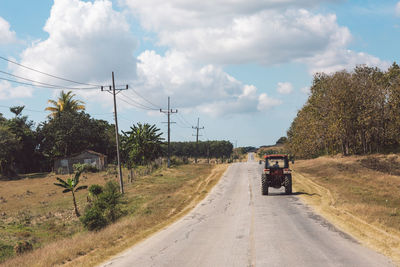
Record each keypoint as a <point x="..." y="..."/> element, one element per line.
<point x="236" y="226"/>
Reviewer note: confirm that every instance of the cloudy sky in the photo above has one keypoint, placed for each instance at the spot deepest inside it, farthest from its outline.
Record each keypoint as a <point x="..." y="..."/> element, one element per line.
<point x="244" y="67"/>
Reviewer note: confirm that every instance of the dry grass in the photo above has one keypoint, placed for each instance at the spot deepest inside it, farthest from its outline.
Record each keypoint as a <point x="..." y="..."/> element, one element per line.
<point x="361" y="200"/>
<point x="154" y="202"/>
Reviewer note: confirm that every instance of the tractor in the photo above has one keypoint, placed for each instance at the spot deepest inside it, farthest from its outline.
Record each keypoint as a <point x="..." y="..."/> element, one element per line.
<point x="276" y="173"/>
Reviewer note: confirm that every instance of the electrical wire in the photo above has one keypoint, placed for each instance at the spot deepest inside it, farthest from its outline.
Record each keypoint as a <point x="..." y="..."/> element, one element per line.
<point x="186" y="122"/>
<point x="47" y="84"/>
<point x="137" y="104"/>
<point x="41" y="86"/>
<point x="129" y="103"/>
<point x="133" y="90"/>
<point x="47" y="74"/>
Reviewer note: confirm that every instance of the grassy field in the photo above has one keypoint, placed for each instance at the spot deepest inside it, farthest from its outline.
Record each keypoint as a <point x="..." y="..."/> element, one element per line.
<point x="359" y="194"/>
<point x="35" y="210"/>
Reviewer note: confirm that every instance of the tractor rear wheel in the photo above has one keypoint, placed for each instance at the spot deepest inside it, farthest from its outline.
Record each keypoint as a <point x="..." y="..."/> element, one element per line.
<point x="288" y="184"/>
<point x="264" y="185"/>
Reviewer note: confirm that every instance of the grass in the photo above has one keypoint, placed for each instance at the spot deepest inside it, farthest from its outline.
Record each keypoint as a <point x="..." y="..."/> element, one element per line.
<point x="359" y="194"/>
<point x="45" y="217"/>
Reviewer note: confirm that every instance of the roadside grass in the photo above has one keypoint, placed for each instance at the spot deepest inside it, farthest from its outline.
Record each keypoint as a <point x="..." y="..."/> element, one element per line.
<point x="359" y="194"/>
<point x="46" y="218"/>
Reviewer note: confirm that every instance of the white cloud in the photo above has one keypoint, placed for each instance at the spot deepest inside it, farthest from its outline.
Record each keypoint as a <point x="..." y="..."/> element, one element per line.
<point x="7" y="36"/>
<point x="340" y="59"/>
<point x="7" y="91"/>
<point x="284" y="88"/>
<point x="87" y="40"/>
<point x="398" y="8"/>
<point x="242" y="31"/>
<point x="207" y="89"/>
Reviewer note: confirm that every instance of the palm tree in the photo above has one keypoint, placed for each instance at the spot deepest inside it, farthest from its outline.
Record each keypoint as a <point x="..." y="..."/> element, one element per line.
<point x="69" y="186"/>
<point x="65" y="102"/>
<point x="142" y="144"/>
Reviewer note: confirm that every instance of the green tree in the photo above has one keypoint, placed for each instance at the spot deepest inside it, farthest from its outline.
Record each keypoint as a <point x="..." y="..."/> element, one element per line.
<point x="142" y="144"/>
<point x="71" y="186"/>
<point x="72" y="133"/>
<point x="65" y="103"/>
<point x="8" y="144"/>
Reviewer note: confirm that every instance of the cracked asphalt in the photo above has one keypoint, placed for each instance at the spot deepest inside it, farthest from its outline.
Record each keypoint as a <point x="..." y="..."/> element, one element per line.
<point x="236" y="226"/>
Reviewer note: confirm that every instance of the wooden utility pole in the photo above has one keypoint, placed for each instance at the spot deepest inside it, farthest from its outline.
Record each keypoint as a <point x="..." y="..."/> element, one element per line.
<point x="112" y="91"/>
<point x="197" y="138"/>
<point x="169" y="111"/>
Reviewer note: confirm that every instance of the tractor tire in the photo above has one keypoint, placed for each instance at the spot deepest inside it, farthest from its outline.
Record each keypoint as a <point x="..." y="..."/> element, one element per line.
<point x="288" y="184"/>
<point x="264" y="186"/>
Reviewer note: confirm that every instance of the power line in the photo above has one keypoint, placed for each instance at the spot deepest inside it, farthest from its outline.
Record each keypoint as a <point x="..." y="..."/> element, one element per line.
<point x="186" y="122"/>
<point x="47" y="74"/>
<point x="138" y="103"/>
<point x="158" y="107"/>
<point x="46" y="84"/>
<point x="42" y="86"/>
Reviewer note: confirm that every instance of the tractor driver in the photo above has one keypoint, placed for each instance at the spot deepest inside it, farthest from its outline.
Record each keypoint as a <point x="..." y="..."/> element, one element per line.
<point x="276" y="165"/>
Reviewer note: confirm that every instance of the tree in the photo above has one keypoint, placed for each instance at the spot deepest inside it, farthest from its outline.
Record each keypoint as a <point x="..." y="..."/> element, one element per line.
<point x="71" y="133"/>
<point x="65" y="103"/>
<point x="71" y="186"/>
<point x="142" y="144"/>
<point x="8" y="144"/>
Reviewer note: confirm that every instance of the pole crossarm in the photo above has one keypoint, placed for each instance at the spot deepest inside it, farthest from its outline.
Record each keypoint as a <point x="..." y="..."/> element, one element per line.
<point x="114" y="91"/>
<point x="169" y="111"/>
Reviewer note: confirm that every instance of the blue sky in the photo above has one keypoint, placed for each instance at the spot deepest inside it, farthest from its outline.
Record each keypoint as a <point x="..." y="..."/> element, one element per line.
<point x="243" y="67"/>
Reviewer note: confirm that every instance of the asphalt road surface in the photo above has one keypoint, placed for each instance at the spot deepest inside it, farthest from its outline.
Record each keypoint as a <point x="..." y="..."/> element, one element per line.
<point x="236" y="226"/>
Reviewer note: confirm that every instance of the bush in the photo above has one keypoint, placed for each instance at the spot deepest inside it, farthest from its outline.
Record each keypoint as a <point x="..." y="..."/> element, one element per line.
<point x="22" y="247"/>
<point x="106" y="207"/>
<point x="85" y="167"/>
<point x="93" y="219"/>
<point x="95" y="189"/>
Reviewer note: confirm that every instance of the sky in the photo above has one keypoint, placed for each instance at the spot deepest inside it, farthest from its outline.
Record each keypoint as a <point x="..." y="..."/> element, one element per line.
<point x="243" y="67"/>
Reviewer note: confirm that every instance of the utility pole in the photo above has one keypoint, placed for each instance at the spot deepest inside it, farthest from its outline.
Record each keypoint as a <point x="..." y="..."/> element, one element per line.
<point x="197" y="138"/>
<point x="112" y="91"/>
<point x="169" y="111"/>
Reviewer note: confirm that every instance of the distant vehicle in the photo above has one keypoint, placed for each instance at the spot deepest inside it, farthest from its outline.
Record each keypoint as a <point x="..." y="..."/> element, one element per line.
<point x="276" y="173"/>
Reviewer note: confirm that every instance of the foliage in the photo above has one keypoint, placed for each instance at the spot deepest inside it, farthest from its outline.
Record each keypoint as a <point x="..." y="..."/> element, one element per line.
<point x="350" y="113"/>
<point x="93" y="219"/>
<point x="84" y="167"/>
<point x="281" y="140"/>
<point x="22" y="247"/>
<point x="106" y="207"/>
<point x="71" y="186"/>
<point x="72" y="133"/>
<point x="65" y="103"/>
<point x="141" y="145"/>
<point x="95" y="190"/>
<point x="210" y="149"/>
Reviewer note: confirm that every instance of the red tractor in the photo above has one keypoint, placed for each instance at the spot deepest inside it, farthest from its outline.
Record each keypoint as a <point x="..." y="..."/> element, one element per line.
<point x="276" y="173"/>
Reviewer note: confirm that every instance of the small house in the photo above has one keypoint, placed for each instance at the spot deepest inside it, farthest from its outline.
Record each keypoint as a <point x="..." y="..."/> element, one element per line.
<point x="65" y="164"/>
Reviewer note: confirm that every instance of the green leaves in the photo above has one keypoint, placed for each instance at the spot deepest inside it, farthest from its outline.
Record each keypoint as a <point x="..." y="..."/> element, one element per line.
<point x="142" y="144"/>
<point x="65" y="103"/>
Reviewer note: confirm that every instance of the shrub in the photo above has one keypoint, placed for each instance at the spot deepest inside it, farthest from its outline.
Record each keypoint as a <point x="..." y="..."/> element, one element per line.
<point x="93" y="219"/>
<point x="85" y="167"/>
<point x="106" y="207"/>
<point x="22" y="247"/>
<point x="95" y="189"/>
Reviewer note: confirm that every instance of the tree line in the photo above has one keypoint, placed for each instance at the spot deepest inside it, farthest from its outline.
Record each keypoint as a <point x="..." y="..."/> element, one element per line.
<point x="26" y="148"/>
<point x="203" y="149"/>
<point x="356" y="112"/>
